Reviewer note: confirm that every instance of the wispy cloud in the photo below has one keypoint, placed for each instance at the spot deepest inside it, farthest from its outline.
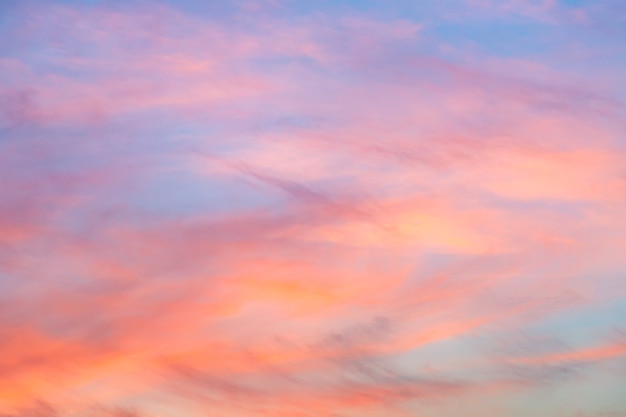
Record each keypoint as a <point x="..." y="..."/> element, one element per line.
<point x="274" y="208"/>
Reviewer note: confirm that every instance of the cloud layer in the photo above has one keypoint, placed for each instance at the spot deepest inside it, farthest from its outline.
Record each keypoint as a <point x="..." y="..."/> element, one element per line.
<point x="273" y="208"/>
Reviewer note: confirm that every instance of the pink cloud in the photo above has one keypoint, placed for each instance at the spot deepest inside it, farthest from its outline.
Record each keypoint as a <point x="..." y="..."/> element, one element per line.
<point x="378" y="161"/>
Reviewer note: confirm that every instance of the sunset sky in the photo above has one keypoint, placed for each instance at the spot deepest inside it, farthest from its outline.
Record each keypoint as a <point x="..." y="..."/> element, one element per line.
<point x="313" y="208"/>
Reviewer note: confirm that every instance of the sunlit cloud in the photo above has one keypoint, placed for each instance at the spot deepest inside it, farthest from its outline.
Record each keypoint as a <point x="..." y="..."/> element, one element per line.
<point x="277" y="208"/>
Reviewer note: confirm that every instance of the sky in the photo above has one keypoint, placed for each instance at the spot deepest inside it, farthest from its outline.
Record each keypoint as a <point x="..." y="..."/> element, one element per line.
<point x="330" y="208"/>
